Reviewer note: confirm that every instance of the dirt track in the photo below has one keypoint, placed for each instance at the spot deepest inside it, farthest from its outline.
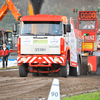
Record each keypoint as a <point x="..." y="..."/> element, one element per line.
<point x="12" y="87"/>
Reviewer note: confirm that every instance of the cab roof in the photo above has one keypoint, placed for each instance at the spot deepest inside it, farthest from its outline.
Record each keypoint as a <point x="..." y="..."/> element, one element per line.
<point x="45" y="17"/>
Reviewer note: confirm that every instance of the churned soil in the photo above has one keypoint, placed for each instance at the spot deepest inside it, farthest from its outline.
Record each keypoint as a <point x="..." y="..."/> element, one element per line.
<point x="13" y="87"/>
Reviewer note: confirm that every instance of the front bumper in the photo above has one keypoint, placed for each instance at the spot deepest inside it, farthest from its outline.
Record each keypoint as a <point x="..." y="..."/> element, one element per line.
<point x="41" y="60"/>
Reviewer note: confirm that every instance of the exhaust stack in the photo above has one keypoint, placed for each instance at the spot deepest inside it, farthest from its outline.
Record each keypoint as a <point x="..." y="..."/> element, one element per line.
<point x="35" y="6"/>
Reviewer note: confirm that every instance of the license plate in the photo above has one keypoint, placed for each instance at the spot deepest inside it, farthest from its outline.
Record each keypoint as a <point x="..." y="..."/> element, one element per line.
<point x="40" y="49"/>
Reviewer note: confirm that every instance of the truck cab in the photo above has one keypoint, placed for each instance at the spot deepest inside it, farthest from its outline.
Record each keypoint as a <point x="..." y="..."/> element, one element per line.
<point x="48" y="44"/>
<point x="87" y="23"/>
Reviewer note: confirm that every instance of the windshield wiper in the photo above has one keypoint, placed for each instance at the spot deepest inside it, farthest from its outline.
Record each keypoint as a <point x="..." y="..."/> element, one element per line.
<point x="48" y="34"/>
<point x="28" y="34"/>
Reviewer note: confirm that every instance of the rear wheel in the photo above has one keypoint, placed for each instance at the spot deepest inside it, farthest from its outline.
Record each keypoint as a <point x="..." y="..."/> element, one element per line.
<point x="22" y="71"/>
<point x="64" y="70"/>
<point x="78" y="67"/>
<point x="75" y="71"/>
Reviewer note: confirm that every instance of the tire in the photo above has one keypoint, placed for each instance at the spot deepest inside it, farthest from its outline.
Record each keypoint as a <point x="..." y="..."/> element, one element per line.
<point x="75" y="71"/>
<point x="78" y="67"/>
<point x="22" y="71"/>
<point x="63" y="70"/>
<point x="35" y="74"/>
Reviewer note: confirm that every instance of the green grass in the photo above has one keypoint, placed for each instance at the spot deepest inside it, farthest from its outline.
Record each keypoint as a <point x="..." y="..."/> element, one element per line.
<point x="13" y="67"/>
<point x="88" y="96"/>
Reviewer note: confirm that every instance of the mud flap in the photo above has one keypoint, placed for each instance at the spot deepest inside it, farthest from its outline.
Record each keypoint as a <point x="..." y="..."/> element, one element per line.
<point x="97" y="54"/>
<point x="98" y="65"/>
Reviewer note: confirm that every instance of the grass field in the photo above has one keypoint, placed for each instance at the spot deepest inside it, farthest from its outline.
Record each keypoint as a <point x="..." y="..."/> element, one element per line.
<point x="13" y="67"/>
<point x="88" y="96"/>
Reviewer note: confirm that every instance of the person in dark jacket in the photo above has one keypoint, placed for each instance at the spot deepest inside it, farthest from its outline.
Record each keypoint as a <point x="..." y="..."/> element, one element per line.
<point x="5" y="53"/>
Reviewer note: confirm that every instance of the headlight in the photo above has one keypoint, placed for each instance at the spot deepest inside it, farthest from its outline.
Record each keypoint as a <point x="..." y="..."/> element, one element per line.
<point x="56" y="59"/>
<point x="23" y="59"/>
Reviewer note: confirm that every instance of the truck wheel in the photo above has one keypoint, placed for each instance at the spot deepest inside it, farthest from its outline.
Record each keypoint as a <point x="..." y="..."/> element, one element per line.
<point x="75" y="71"/>
<point x="22" y="71"/>
<point x="78" y="67"/>
<point x="35" y="74"/>
<point x="64" y="70"/>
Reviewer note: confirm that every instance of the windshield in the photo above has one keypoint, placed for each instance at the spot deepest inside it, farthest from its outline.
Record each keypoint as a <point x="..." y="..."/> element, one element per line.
<point x="86" y="24"/>
<point x="41" y="28"/>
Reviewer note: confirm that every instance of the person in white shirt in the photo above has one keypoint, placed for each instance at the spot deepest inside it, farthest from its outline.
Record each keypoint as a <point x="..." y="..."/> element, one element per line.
<point x="89" y="26"/>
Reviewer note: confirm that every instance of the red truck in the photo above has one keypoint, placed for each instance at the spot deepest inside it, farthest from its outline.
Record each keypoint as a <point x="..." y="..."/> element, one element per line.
<point x="87" y="23"/>
<point x="48" y="44"/>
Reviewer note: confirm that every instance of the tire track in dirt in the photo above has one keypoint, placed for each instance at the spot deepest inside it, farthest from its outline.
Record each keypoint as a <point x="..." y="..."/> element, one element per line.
<point x="13" y="87"/>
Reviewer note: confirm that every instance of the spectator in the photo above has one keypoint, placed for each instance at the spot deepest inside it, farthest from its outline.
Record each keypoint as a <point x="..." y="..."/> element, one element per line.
<point x="5" y="53"/>
<point x="89" y="26"/>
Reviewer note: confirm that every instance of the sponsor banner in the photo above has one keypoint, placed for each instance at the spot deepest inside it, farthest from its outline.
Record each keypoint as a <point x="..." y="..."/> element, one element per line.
<point x="26" y="41"/>
<point x="89" y="38"/>
<point x="54" y="41"/>
<point x="40" y="41"/>
<point x="87" y="46"/>
<point x="74" y="64"/>
<point x="41" y="45"/>
<point x="10" y="63"/>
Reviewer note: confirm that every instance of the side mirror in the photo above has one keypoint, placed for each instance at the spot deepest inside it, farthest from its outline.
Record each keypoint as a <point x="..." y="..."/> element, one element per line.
<point x="65" y="28"/>
<point x="68" y="28"/>
<point x="14" y="29"/>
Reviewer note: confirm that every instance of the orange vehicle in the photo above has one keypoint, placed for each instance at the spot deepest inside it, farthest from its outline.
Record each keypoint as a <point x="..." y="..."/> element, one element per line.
<point x="48" y="44"/>
<point x="9" y="6"/>
<point x="87" y="23"/>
